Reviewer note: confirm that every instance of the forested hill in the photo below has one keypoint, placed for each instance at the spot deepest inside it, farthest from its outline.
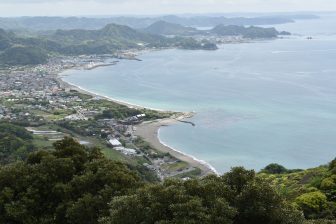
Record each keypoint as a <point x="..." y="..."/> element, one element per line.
<point x="73" y="184"/>
<point x="67" y="23"/>
<point x="252" y="32"/>
<point x="54" y="23"/>
<point x="15" y="50"/>
<point x="165" y="28"/>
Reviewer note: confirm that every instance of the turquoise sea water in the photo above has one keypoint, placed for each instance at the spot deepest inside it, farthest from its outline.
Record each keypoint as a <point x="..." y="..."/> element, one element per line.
<point x="256" y="103"/>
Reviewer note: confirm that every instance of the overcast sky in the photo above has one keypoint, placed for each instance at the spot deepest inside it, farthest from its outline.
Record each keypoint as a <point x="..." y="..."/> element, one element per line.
<point x="151" y="7"/>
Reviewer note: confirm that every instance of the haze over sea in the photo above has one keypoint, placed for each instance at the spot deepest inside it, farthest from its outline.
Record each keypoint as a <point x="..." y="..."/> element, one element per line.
<point x="256" y="103"/>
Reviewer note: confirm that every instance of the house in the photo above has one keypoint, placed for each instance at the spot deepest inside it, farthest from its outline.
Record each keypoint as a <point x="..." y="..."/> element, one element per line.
<point x="115" y="142"/>
<point x="126" y="151"/>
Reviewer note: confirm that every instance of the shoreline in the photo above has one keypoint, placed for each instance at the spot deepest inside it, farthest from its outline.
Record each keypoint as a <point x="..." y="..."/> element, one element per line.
<point x="66" y="84"/>
<point x="212" y="169"/>
<point x="149" y="131"/>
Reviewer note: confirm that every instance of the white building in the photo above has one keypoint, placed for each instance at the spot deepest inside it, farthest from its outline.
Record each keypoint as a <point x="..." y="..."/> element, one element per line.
<point x="115" y="142"/>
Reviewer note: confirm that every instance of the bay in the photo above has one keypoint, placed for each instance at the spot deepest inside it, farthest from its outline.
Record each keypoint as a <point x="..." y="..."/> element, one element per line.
<point x="256" y="103"/>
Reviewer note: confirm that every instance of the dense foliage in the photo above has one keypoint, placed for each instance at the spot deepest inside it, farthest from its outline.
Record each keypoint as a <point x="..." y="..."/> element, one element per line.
<point x="237" y="197"/>
<point x="69" y="185"/>
<point x="15" y="143"/>
<point x="23" y="55"/>
<point x="75" y="184"/>
<point x="312" y="190"/>
<point x="247" y="32"/>
<point x="16" y="50"/>
<point x="165" y="28"/>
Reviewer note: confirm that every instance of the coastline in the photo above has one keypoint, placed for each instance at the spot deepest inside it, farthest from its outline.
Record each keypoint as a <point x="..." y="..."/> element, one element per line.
<point x="149" y="131"/>
<point x="71" y="86"/>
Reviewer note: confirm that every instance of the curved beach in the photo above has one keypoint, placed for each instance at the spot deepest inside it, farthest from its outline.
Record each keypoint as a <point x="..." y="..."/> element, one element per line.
<point x="149" y="131"/>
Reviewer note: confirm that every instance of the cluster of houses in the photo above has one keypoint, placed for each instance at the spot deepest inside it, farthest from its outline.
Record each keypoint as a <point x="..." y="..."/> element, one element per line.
<point x="27" y="93"/>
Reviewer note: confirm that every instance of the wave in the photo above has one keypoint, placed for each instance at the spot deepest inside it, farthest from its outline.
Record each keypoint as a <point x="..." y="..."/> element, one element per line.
<point x="185" y="154"/>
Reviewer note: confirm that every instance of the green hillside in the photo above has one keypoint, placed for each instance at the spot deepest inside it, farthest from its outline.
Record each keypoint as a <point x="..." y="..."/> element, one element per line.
<point x="15" y="50"/>
<point x="23" y="55"/>
<point x="75" y="184"/>
<point x="15" y="143"/>
<point x="312" y="190"/>
<point x="247" y="32"/>
<point x="165" y="28"/>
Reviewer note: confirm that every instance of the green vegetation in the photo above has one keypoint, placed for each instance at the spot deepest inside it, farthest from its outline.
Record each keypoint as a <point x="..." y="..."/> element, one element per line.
<point x="16" y="50"/>
<point x="277" y="169"/>
<point x="165" y="28"/>
<point x="251" y="32"/>
<point x="69" y="185"/>
<point x="312" y="190"/>
<point x="23" y="55"/>
<point x="74" y="184"/>
<point x="66" y="23"/>
<point x="15" y="143"/>
<point x="237" y="197"/>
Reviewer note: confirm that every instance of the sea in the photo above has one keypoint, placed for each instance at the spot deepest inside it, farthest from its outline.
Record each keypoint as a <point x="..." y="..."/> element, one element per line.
<point x="271" y="101"/>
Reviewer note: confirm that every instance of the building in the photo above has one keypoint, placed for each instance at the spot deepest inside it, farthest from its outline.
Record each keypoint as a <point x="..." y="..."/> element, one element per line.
<point x="115" y="142"/>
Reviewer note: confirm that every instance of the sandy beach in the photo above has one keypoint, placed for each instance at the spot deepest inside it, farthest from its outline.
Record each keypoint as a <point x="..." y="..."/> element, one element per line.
<point x="149" y="130"/>
<point x="79" y="89"/>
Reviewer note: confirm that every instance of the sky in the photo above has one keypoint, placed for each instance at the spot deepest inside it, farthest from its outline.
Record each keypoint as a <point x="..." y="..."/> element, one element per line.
<point x="10" y="8"/>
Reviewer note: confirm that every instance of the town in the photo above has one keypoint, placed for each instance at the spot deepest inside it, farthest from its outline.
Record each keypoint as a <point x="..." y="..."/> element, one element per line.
<point x="35" y="97"/>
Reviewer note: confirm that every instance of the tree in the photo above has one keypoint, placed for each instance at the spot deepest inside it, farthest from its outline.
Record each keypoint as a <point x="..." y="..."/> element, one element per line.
<point x="332" y="166"/>
<point x="167" y="203"/>
<point x="312" y="204"/>
<point x="275" y="169"/>
<point x="238" y="197"/>
<point x="72" y="184"/>
<point x="15" y="143"/>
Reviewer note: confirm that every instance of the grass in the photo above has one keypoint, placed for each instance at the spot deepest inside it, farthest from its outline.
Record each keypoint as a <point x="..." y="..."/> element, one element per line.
<point x="42" y="143"/>
<point x="55" y="116"/>
<point x="177" y="166"/>
<point x="191" y="174"/>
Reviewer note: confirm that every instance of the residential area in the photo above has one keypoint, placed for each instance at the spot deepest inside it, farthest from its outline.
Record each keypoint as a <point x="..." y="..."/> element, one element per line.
<point x="36" y="98"/>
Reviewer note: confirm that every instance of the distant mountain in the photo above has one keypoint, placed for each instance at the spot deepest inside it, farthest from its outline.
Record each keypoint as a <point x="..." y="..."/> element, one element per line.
<point x="209" y="21"/>
<point x="23" y="55"/>
<point x="246" y="32"/>
<point x="166" y="28"/>
<point x="67" y="23"/>
<point x="116" y="37"/>
<point x="5" y="39"/>
<point x="111" y="37"/>
<point x="16" y="50"/>
<point x="252" y="32"/>
<point x="21" y="51"/>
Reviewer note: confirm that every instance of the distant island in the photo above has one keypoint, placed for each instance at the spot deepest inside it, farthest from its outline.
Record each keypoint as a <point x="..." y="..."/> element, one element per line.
<point x="251" y="32"/>
<point x="54" y="23"/>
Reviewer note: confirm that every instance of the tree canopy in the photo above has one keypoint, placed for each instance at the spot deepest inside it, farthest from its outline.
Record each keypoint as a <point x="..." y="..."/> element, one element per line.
<point x="74" y="184"/>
